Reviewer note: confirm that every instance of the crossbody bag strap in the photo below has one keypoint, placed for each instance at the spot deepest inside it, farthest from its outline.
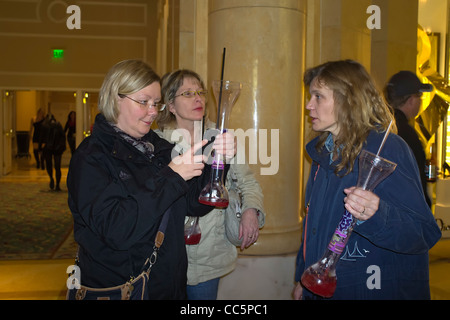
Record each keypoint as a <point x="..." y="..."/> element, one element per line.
<point x="306" y="217"/>
<point x="159" y="239"/>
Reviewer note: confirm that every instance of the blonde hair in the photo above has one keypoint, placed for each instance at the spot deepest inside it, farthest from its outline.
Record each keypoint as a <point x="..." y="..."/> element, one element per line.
<point x="126" y="77"/>
<point x="359" y="106"/>
<point x="170" y="83"/>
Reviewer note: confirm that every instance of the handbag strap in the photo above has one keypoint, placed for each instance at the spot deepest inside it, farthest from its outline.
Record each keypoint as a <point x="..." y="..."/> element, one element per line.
<point x="306" y="217"/>
<point x="159" y="239"/>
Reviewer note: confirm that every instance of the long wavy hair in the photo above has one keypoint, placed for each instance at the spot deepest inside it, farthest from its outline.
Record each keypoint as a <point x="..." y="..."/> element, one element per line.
<point x="359" y="105"/>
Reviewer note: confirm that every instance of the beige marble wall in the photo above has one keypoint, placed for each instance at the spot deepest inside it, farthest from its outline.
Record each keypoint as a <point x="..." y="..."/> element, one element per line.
<point x="343" y="30"/>
<point x="110" y="32"/>
<point x="337" y="29"/>
<point x="394" y="46"/>
<point x="264" y="43"/>
<point x="194" y="36"/>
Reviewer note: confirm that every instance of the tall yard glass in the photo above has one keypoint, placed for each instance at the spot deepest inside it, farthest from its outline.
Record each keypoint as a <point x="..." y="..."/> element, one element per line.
<point x="320" y="278"/>
<point x="215" y="193"/>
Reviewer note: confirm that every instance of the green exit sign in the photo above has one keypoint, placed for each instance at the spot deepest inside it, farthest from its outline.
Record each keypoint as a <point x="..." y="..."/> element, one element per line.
<point x="58" y="53"/>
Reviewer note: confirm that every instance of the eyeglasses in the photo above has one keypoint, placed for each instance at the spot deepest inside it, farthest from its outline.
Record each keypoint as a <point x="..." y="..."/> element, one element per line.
<point x="145" y="104"/>
<point x="191" y="94"/>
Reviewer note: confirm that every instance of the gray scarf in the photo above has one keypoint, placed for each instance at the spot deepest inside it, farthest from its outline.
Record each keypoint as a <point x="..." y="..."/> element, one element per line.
<point x="146" y="147"/>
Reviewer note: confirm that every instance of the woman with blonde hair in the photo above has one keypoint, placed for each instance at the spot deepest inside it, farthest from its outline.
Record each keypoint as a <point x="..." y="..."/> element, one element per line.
<point x="122" y="182"/>
<point x="395" y="227"/>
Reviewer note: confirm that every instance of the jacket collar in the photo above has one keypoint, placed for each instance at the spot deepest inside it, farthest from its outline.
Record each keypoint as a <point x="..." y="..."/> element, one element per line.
<point x="104" y="131"/>
<point x="322" y="157"/>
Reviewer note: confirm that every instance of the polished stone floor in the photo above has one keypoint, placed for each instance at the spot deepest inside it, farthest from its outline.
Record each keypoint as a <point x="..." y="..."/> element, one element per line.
<point x="33" y="279"/>
<point x="46" y="279"/>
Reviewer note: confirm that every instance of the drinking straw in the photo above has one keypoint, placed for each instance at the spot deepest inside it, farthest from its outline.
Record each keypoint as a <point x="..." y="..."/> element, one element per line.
<point x="221" y="84"/>
<point x="384" y="138"/>
<point x="364" y="184"/>
<point x="218" y="115"/>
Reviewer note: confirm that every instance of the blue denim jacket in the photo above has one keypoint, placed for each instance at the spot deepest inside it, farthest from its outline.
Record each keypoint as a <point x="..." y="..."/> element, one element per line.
<point x="386" y="257"/>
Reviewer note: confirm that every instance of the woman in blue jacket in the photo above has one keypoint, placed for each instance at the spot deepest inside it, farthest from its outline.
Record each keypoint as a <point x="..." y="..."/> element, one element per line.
<point x="387" y="254"/>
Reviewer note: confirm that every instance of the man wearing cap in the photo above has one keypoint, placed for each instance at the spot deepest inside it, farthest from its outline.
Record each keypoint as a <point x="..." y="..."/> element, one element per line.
<point x="403" y="92"/>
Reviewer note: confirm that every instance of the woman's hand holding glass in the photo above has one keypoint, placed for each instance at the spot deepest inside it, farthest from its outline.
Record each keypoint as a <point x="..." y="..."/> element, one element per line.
<point x="191" y="163"/>
<point x="362" y="204"/>
<point x="225" y="144"/>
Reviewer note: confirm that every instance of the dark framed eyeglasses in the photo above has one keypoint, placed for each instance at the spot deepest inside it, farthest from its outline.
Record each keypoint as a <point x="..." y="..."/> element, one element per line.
<point x="145" y="104"/>
<point x="191" y="94"/>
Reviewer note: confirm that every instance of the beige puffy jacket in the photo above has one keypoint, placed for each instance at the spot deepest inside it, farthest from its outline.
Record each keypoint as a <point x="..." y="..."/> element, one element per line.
<point x="215" y="256"/>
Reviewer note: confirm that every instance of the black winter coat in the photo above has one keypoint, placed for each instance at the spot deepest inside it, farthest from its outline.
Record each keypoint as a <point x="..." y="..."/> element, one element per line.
<point x="409" y="134"/>
<point x="117" y="197"/>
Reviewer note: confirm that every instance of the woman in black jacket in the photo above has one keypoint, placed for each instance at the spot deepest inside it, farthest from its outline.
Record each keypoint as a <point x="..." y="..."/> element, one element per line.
<point x="123" y="178"/>
<point x="70" y="128"/>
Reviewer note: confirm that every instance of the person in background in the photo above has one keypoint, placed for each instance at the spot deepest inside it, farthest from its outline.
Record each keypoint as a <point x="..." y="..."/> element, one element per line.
<point x="403" y="92"/>
<point x="395" y="228"/>
<point x="53" y="144"/>
<point x="214" y="256"/>
<point x="70" y="130"/>
<point x="121" y="181"/>
<point x="35" y="129"/>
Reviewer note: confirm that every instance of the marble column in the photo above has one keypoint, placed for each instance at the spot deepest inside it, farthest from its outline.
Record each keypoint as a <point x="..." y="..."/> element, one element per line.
<point x="340" y="31"/>
<point x="264" y="41"/>
<point x="394" y="45"/>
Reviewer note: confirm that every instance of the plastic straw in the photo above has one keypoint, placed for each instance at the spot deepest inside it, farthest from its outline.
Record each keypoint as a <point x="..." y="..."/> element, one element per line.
<point x="384" y="139"/>
<point x="221" y="84"/>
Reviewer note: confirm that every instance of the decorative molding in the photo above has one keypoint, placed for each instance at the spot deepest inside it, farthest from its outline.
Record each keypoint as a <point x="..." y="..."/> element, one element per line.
<point x="140" y="8"/>
<point x="20" y="13"/>
<point x="52" y="74"/>
<point x="66" y="36"/>
<point x="143" y="40"/>
<point x="96" y="9"/>
<point x="50" y="7"/>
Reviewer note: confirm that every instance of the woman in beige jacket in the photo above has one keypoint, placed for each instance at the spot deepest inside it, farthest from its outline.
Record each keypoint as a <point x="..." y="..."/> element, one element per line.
<point x="182" y="123"/>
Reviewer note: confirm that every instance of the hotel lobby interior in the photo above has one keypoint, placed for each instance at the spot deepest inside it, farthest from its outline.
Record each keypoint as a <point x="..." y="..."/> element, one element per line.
<point x="56" y="60"/>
